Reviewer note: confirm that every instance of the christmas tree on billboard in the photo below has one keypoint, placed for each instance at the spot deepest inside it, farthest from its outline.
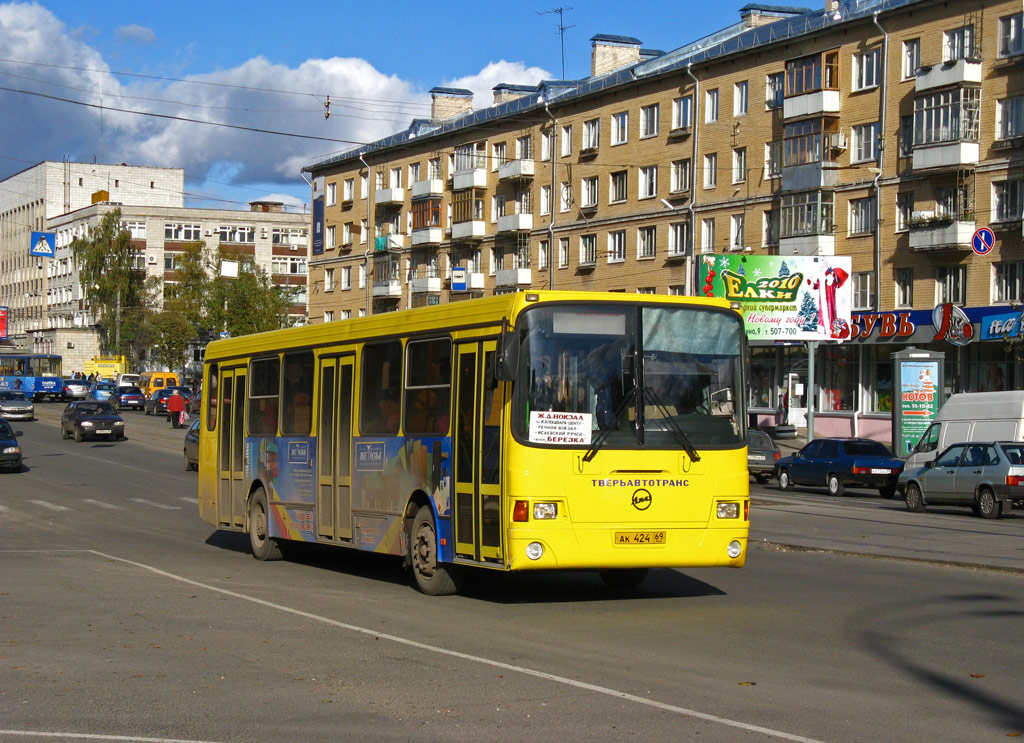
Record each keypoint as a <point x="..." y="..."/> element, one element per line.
<point x="808" y="314"/>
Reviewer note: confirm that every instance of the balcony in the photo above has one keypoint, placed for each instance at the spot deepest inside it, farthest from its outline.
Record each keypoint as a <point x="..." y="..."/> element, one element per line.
<point x="389" y="196"/>
<point x="513" y="277"/>
<point x="808" y="245"/>
<point x="515" y="222"/>
<point x="472" y="230"/>
<point x="930" y="233"/>
<point x="425" y="285"/>
<point x="388" y="242"/>
<point x="429" y="187"/>
<point x="427" y="236"/>
<point x="948" y="73"/>
<point x="515" y="170"/>
<point x="387" y="288"/>
<point x="810" y="176"/>
<point x="811" y="104"/>
<point x="472" y="178"/>
<point x="954" y="154"/>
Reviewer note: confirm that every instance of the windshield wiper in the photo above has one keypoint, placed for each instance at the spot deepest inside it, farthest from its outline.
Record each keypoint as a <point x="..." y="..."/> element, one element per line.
<point x="681" y="437"/>
<point x="603" y="434"/>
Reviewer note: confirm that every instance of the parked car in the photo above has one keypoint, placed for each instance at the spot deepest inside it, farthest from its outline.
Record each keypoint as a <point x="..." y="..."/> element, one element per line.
<point x="987" y="476"/>
<point x="10" y="449"/>
<point x="195" y="403"/>
<point x="128" y="396"/>
<point x="15" y="405"/>
<point x="837" y="463"/>
<point x="762" y="454"/>
<point x="75" y="389"/>
<point x="101" y="391"/>
<point x="192" y="446"/>
<point x="156" y="404"/>
<point x="89" y="418"/>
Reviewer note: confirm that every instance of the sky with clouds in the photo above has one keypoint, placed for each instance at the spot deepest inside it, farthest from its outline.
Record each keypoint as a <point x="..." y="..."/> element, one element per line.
<point x="123" y="81"/>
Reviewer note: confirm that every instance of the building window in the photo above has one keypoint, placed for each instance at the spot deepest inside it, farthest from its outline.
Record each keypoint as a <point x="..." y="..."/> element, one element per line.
<point x="136" y="229"/>
<point x="812" y="73"/>
<point x="771" y="227"/>
<point x="588" y="250"/>
<point x="679" y="238"/>
<point x="905" y="137"/>
<point x="414" y="173"/>
<point x="566" y="136"/>
<point x="773" y="159"/>
<point x="740" y="98"/>
<point x="862" y="216"/>
<point x="1008" y="279"/>
<point x="363" y="230"/>
<point x="499" y="155"/>
<point x="707" y="235"/>
<point x="563" y="252"/>
<point x="904" y="287"/>
<point x="588" y="191"/>
<point x="565" y="197"/>
<point x="235" y="234"/>
<point x="865" y="143"/>
<point x="183" y="232"/>
<point x="545" y="199"/>
<point x="332" y="194"/>
<point x="862" y="291"/>
<point x="682" y="112"/>
<point x="904" y="209"/>
<point x="711" y="170"/>
<point x="646" y="238"/>
<point x="803" y="141"/>
<point x="346" y="277"/>
<point x="471" y="156"/>
<point x="348" y="189"/>
<point x="1008" y="204"/>
<point x="346" y="233"/>
<point x="911" y="58"/>
<point x="950" y="284"/>
<point x="542" y="254"/>
<point x="774" y="89"/>
<point x="711" y="106"/>
<point x="617" y="246"/>
<point x="329" y="280"/>
<point x="591" y="135"/>
<point x="620" y="127"/>
<point x="649" y="124"/>
<point x="328" y="315"/>
<point x="680" y="176"/>
<point x="434" y="168"/>
<point x="866" y="68"/>
<point x="739" y="165"/>
<point x="808" y="213"/>
<point x="545" y="145"/>
<point x="618" y="191"/>
<point x="1011" y="35"/>
<point x="364" y="185"/>
<point x="648" y="182"/>
<point x="329" y="238"/>
<point x="958" y="44"/>
<point x="947" y="116"/>
<point x="426" y="213"/>
<point x="736" y="226"/>
<point x="524" y="148"/>
<point x="1010" y="118"/>
<point x="677" y="290"/>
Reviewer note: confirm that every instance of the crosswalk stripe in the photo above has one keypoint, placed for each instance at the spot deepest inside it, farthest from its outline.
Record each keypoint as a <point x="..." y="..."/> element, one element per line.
<point x="102" y="504"/>
<point x="51" y="506"/>
<point x="156" y="505"/>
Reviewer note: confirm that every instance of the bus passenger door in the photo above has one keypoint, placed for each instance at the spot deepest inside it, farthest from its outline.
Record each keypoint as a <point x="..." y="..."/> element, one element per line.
<point x="232" y="491"/>
<point x="334" y="445"/>
<point x="477" y="446"/>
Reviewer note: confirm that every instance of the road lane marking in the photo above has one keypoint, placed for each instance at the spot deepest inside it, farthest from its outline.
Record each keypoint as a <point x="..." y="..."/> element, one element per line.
<point x="164" y="506"/>
<point x="468" y="657"/>
<point x="102" y="504"/>
<point x="51" y="506"/>
<point x="93" y="736"/>
<point x="188" y="499"/>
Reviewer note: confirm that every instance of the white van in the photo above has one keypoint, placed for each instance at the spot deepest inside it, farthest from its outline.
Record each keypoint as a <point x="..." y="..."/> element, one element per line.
<point x="128" y="379"/>
<point x="971" y="416"/>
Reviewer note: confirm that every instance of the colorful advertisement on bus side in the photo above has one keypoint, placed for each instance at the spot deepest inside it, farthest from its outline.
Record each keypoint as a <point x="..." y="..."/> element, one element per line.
<point x="286" y="467"/>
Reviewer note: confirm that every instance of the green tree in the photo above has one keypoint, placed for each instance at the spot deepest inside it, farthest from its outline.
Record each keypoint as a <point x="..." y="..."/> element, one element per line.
<point x="249" y="303"/>
<point x="171" y="334"/>
<point x="113" y="286"/>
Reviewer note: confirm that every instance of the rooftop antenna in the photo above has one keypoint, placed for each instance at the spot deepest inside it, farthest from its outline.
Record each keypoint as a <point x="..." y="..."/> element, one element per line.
<point x="562" y="28"/>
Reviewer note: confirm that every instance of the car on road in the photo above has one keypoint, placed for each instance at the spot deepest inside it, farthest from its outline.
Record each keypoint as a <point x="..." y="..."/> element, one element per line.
<point x="101" y="391"/>
<point x="90" y="418"/>
<point x="15" y="405"/>
<point x="10" y="449"/>
<point x="195" y="403"/>
<point x="838" y="463"/>
<point x="192" y="446"/>
<point x="128" y="396"/>
<point x="76" y="389"/>
<point x="762" y="454"/>
<point x="986" y="476"/>
<point x="156" y="404"/>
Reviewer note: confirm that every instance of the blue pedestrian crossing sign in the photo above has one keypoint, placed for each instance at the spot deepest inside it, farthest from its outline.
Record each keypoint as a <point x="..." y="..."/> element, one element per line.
<point x="983" y="241"/>
<point x="42" y="244"/>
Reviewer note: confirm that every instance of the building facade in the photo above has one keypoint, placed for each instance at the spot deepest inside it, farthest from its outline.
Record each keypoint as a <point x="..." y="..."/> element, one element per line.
<point x="889" y="131"/>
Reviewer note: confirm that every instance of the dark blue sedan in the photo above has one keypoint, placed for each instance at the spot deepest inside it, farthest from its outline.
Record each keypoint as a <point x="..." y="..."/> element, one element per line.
<point x="128" y="396"/>
<point x="10" y="450"/>
<point x="840" y="462"/>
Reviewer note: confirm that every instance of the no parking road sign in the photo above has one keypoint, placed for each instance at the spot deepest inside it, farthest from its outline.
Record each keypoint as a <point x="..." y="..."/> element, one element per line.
<point x="983" y="240"/>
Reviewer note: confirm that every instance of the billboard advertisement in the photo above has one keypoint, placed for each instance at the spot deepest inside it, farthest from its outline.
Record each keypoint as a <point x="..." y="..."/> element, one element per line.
<point x="784" y="298"/>
<point x="3" y="323"/>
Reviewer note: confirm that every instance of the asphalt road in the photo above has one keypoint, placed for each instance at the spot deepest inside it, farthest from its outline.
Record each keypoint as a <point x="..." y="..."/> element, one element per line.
<point x="124" y="617"/>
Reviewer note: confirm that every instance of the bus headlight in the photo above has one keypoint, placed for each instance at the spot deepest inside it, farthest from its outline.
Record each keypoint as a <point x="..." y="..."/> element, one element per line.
<point x="534" y="550"/>
<point x="545" y="510"/>
<point x="728" y="510"/>
<point x="734" y="549"/>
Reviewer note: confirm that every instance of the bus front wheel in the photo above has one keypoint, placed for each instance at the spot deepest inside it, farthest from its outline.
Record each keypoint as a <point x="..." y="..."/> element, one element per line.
<point x="432" y="577"/>
<point x="264" y="547"/>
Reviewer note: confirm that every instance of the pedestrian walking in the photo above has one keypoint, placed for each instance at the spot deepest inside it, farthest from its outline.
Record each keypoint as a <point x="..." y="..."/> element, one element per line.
<point x="175" y="407"/>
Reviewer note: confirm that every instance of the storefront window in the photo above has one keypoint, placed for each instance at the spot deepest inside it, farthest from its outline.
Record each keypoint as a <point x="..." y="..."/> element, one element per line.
<point x="878" y="387"/>
<point x="762" y="378"/>
<point x="838" y="378"/>
<point x="990" y="368"/>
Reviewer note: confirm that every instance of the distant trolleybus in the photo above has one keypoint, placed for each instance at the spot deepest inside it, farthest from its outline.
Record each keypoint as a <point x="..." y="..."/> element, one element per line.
<point x="38" y="375"/>
<point x="527" y="431"/>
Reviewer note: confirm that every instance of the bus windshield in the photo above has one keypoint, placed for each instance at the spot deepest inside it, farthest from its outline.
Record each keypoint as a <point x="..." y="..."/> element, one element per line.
<point x="642" y="376"/>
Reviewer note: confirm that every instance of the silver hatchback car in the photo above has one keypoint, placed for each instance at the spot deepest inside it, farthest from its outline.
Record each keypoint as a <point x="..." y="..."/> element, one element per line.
<point x="987" y="476"/>
<point x="15" y="405"/>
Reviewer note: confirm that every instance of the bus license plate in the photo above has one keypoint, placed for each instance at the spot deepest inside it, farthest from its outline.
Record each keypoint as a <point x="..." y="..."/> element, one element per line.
<point x="639" y="537"/>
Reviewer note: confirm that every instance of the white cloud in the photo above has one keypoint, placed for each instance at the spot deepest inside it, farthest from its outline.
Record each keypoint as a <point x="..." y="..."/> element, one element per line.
<point x="495" y="73"/>
<point x="136" y="34"/>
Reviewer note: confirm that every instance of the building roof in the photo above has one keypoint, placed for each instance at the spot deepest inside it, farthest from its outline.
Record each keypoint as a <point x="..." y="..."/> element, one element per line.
<point x="613" y="39"/>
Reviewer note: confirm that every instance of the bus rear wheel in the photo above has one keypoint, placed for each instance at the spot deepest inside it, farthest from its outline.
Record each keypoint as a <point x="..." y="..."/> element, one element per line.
<point x="264" y="547"/>
<point x="623" y="578"/>
<point x="432" y="578"/>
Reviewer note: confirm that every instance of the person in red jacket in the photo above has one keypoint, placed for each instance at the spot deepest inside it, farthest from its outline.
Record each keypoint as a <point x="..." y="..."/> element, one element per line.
<point x="175" y="407"/>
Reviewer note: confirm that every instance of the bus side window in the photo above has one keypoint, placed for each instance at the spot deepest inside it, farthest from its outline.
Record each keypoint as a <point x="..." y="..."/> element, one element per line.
<point x="265" y="377"/>
<point x="297" y="405"/>
<point x="379" y="403"/>
<point x="211" y="398"/>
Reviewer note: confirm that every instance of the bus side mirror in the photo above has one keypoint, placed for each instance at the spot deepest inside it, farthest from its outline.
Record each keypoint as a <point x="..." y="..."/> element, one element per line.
<point x="508" y="357"/>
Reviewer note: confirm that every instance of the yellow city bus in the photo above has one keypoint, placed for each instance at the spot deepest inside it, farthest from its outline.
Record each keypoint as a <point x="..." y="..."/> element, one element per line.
<point x="529" y="431"/>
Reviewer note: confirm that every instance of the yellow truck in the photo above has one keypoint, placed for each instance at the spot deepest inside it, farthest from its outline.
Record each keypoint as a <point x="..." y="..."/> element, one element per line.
<point x="106" y="367"/>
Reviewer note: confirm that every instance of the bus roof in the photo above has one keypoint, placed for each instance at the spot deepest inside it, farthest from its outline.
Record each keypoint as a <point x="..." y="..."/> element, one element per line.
<point x="479" y="312"/>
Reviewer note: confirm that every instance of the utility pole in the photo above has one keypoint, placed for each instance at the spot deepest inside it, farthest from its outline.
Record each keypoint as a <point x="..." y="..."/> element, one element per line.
<point x="562" y="28"/>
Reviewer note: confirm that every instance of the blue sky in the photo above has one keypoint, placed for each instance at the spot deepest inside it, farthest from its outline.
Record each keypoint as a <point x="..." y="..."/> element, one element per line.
<point x="272" y="66"/>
